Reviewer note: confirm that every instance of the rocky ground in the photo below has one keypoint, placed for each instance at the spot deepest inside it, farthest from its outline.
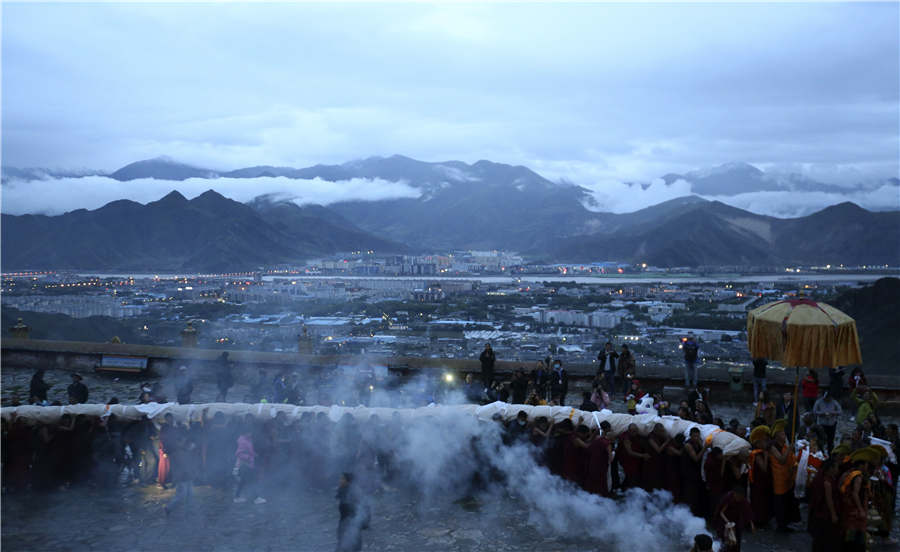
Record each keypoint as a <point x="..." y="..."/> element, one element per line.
<point x="133" y="519"/>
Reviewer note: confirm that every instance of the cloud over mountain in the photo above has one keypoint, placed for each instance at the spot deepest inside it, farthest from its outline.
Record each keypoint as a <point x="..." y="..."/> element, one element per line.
<point x="781" y="194"/>
<point x="786" y="204"/>
<point x="54" y="196"/>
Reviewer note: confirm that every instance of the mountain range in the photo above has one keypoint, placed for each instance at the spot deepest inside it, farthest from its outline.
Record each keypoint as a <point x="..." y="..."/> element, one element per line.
<point x="483" y="205"/>
<point x="208" y="233"/>
<point x="692" y="231"/>
<point x="733" y="179"/>
<point x="728" y="179"/>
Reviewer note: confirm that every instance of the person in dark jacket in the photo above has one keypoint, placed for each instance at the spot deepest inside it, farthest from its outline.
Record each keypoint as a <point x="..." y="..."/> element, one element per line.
<point x="184" y="463"/>
<point x="280" y="388"/>
<point x="224" y="379"/>
<point x="184" y="386"/>
<point x="559" y="383"/>
<point x="785" y="410"/>
<point x="354" y="515"/>
<point x="37" y="391"/>
<point x="607" y="361"/>
<point x="626" y="366"/>
<point x="691" y="352"/>
<point x="487" y="359"/>
<point x="473" y="391"/>
<point x="519" y="387"/>
<point x="540" y="378"/>
<point x="759" y="375"/>
<point x="836" y="382"/>
<point x="586" y="403"/>
<point x="77" y="391"/>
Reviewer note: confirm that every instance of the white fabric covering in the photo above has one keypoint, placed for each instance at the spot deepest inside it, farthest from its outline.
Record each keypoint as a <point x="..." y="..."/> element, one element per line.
<point x="729" y="443"/>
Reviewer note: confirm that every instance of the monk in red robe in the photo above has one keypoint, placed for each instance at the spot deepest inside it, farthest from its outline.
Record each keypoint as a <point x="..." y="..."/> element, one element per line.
<point x="599" y="454"/>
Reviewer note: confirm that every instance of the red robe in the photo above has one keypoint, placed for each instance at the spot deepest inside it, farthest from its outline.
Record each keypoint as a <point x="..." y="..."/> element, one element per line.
<point x="654" y="469"/>
<point x="598" y="467"/>
<point x="738" y="511"/>
<point x="631" y="464"/>
<point x="673" y="475"/>
<point x="574" y="461"/>
<point x="760" y="492"/>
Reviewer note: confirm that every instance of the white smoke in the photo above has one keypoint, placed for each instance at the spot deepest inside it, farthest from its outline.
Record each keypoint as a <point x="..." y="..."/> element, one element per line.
<point x="438" y="452"/>
<point x="441" y="452"/>
<point x="58" y="195"/>
<point x="447" y="454"/>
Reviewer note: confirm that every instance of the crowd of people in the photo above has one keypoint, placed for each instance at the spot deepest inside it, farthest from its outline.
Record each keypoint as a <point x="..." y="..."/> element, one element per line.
<point x="848" y="481"/>
<point x="548" y="380"/>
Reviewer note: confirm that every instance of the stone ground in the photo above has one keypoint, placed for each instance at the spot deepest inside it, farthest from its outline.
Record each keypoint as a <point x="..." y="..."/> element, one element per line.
<point x="132" y="518"/>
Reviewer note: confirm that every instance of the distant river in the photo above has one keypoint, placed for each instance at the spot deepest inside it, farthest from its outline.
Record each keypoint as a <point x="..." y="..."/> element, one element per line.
<point x="532" y="278"/>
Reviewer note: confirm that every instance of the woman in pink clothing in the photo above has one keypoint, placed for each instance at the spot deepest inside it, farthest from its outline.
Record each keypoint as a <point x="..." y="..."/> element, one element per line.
<point x="245" y="466"/>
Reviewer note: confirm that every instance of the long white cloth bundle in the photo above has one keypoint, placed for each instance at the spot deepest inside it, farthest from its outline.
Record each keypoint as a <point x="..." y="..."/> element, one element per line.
<point x="713" y="436"/>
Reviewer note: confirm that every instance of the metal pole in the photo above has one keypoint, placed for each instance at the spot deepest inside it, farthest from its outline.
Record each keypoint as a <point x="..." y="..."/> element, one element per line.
<point x="796" y="388"/>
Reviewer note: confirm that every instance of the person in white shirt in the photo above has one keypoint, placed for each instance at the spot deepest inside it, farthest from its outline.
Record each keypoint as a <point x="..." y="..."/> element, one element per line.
<point x="827" y="411"/>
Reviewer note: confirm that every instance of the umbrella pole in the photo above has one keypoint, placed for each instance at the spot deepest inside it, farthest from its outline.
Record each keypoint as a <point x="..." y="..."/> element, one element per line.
<point x="796" y="389"/>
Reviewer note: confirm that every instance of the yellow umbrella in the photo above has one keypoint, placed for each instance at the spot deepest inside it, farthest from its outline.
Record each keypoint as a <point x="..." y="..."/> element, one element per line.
<point x="802" y="332"/>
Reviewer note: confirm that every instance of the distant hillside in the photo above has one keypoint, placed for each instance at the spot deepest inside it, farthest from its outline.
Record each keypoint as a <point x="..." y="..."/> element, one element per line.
<point x="483" y="205"/>
<point x="692" y="232"/>
<point x="161" y="168"/>
<point x="878" y="322"/>
<point x="207" y="233"/>
<point x="9" y="174"/>
<point x="319" y="228"/>
<point x="739" y="178"/>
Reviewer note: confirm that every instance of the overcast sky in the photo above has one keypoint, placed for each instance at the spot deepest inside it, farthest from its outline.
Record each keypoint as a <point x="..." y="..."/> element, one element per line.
<point x="591" y="92"/>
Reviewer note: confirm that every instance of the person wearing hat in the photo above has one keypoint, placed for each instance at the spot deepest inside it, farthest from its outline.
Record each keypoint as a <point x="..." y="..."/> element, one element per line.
<point x="77" y="391"/>
<point x="841" y="451"/>
<point x="759" y="477"/>
<point x="785" y="412"/>
<point x="854" y="493"/>
<point x="865" y="404"/>
<point x="783" y="467"/>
